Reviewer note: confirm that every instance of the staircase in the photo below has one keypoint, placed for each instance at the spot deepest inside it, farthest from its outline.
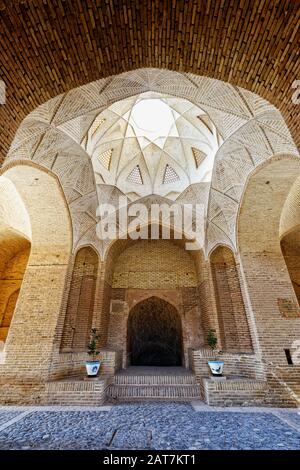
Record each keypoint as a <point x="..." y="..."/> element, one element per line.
<point x="285" y="385"/>
<point x="154" y="383"/>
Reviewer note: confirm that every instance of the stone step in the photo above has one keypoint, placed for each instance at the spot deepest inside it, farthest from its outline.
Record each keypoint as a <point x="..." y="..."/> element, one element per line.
<point x="234" y="392"/>
<point x="76" y="391"/>
<point x="124" y="379"/>
<point x="160" y="392"/>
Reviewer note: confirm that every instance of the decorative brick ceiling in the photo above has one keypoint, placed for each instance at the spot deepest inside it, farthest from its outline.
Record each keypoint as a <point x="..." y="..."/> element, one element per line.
<point x="48" y="48"/>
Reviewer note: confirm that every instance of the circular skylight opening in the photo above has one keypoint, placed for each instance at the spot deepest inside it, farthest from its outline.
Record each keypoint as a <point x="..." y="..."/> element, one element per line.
<point x="152" y="118"/>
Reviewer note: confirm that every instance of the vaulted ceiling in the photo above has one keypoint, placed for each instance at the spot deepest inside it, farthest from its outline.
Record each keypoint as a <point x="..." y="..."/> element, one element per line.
<point x="61" y="135"/>
<point x="48" y="48"/>
<point x="152" y="144"/>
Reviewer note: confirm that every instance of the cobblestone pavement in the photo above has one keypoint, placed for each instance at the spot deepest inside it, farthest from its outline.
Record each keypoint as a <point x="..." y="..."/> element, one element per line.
<point x="148" y="426"/>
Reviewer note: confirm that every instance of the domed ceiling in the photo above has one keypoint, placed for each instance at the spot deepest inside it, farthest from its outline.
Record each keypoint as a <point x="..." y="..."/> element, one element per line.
<point x="152" y="144"/>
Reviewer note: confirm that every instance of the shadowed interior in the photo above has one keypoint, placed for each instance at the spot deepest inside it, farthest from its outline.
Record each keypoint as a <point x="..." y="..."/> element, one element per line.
<point x="155" y="334"/>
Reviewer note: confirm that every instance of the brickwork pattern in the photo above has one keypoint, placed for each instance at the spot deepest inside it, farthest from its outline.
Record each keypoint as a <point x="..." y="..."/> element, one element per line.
<point x="80" y="307"/>
<point x="155" y="264"/>
<point x="234" y="329"/>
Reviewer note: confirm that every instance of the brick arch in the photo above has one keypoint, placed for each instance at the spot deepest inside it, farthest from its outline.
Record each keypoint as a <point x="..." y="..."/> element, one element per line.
<point x="267" y="197"/>
<point x="183" y="238"/>
<point x="154" y="334"/>
<point x="234" y="332"/>
<point x="253" y="131"/>
<point x="81" y="299"/>
<point x="15" y="244"/>
<point x="175" y="44"/>
<point x="14" y="254"/>
<point x="290" y="236"/>
<point x="48" y="229"/>
<point x="168" y="297"/>
<point x="272" y="299"/>
<point x="290" y="246"/>
<point x="290" y="216"/>
<point x="159" y="279"/>
<point x="10" y="307"/>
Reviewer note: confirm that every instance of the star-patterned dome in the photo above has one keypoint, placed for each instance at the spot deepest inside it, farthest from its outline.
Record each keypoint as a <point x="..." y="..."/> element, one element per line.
<point x="152" y="144"/>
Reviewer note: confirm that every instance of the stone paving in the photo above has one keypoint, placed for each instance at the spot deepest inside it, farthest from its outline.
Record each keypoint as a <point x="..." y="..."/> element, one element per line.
<point x="152" y="425"/>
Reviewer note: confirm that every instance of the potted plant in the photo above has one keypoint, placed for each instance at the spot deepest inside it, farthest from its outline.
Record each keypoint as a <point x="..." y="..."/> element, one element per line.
<point x="93" y="366"/>
<point x="216" y="366"/>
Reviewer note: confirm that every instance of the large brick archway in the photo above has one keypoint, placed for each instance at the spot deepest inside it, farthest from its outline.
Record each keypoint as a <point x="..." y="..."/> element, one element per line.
<point x="266" y="276"/>
<point x="253" y="46"/>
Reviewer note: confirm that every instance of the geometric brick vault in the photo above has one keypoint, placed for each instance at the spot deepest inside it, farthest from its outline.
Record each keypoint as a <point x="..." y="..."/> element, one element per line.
<point x="252" y="131"/>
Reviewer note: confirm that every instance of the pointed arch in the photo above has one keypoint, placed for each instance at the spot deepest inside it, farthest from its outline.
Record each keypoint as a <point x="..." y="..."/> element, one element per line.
<point x="154" y="334"/>
<point x="233" y="325"/>
<point x="80" y="306"/>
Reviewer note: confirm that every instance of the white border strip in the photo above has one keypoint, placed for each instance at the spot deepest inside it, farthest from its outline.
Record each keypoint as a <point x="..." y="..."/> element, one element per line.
<point x="32" y="409"/>
<point x="15" y="419"/>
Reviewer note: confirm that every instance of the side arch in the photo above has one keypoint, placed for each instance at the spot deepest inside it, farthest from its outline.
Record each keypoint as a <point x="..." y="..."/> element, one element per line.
<point x="37" y="311"/>
<point x="271" y="295"/>
<point x="232" y="319"/>
<point x="81" y="299"/>
<point x="15" y="243"/>
<point x="290" y="235"/>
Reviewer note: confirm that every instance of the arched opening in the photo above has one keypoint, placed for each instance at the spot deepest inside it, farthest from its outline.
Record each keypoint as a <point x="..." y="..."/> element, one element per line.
<point x="15" y="233"/>
<point x="290" y="236"/>
<point x="39" y="222"/>
<point x="265" y="261"/>
<point x="14" y="254"/>
<point x="80" y="307"/>
<point x="290" y="246"/>
<point x="233" y="324"/>
<point x="154" y="334"/>
<point x="140" y="269"/>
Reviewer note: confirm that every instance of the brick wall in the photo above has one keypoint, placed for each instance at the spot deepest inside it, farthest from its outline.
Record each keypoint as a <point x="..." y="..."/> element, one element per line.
<point x="156" y="264"/>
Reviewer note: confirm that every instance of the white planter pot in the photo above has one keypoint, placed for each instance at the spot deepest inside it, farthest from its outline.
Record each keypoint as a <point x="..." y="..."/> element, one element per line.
<point x="92" y="368"/>
<point x="216" y="367"/>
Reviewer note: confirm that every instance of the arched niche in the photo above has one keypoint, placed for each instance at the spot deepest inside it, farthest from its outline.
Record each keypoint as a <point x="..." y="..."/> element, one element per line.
<point x="290" y="246"/>
<point x="15" y="243"/>
<point x="133" y="268"/>
<point x="290" y="235"/>
<point x="137" y="269"/>
<point x="81" y="299"/>
<point x="271" y="296"/>
<point x="232" y="320"/>
<point x="154" y="335"/>
<point x="46" y="223"/>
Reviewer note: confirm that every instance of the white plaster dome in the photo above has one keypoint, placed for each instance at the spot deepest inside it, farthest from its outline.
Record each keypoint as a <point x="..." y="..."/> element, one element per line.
<point x="152" y="144"/>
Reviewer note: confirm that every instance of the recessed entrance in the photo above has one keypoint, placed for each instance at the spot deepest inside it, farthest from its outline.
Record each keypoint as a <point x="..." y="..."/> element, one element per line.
<point x="154" y="334"/>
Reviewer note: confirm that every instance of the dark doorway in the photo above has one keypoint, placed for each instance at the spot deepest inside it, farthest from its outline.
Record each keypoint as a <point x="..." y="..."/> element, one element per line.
<point x="154" y="334"/>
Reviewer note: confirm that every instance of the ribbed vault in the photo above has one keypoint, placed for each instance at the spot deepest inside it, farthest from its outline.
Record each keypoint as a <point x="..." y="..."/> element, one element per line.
<point x="152" y="144"/>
